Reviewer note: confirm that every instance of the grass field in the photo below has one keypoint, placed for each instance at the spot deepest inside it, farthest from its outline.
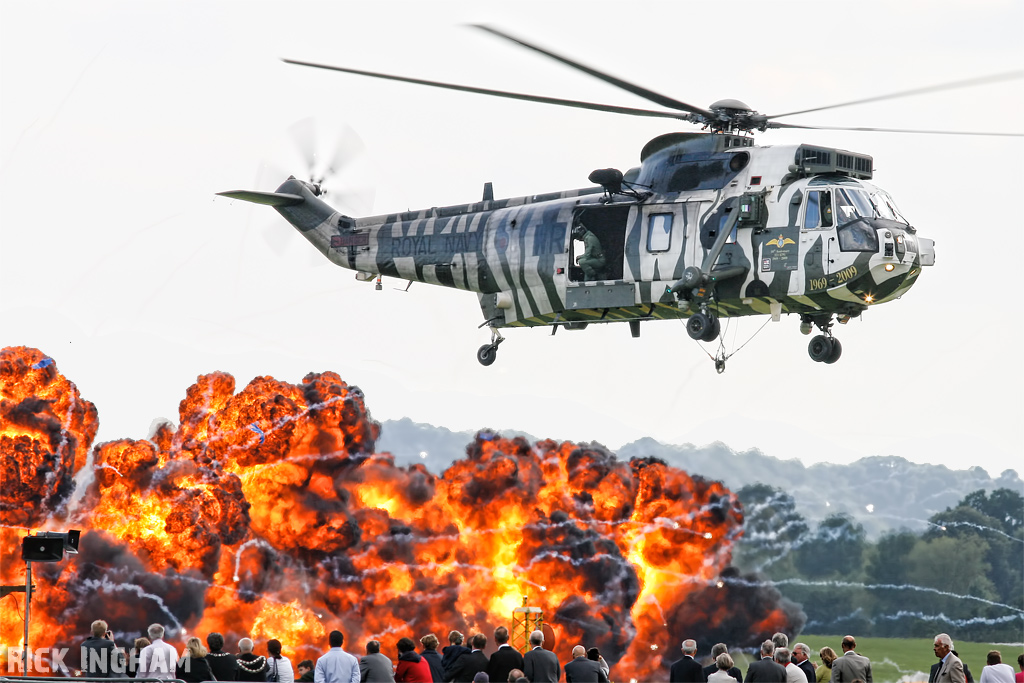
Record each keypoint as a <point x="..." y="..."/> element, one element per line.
<point x="902" y="659"/>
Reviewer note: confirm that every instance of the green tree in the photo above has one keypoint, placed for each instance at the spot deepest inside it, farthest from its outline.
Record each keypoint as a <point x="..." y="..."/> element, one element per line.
<point x="772" y="528"/>
<point x="887" y="559"/>
<point x="835" y="551"/>
<point x="1003" y="505"/>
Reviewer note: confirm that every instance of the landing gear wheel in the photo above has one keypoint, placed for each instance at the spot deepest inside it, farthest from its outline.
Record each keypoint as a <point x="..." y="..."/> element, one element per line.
<point x="714" y="331"/>
<point x="487" y="353"/>
<point x="699" y="325"/>
<point x="837" y="350"/>
<point x="820" y="349"/>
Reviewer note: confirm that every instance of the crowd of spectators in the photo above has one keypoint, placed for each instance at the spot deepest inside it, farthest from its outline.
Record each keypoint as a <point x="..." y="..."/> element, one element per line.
<point x="464" y="660"/>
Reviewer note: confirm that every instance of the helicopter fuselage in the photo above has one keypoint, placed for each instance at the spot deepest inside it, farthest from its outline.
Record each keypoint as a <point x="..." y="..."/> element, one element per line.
<point x="807" y="233"/>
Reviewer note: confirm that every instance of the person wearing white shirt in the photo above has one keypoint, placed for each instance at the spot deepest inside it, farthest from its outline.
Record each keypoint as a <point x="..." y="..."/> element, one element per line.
<point x="995" y="671"/>
<point x="794" y="674"/>
<point x="158" y="659"/>
<point x="336" y="665"/>
<point x="279" y="665"/>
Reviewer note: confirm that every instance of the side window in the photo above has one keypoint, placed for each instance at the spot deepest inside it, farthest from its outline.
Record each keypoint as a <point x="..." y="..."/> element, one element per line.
<point x="818" y="214"/>
<point x="659" y="232"/>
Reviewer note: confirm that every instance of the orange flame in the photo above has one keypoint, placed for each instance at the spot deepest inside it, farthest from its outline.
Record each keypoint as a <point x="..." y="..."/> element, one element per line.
<point x="267" y="514"/>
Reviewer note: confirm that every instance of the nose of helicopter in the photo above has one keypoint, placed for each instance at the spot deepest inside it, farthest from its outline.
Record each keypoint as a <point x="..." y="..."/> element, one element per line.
<point x="927" y="251"/>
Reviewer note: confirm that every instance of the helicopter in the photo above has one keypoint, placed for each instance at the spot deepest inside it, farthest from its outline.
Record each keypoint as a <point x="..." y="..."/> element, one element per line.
<point x="709" y="226"/>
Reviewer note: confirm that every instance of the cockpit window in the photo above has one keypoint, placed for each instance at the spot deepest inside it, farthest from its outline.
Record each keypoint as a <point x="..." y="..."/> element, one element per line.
<point x="886" y="207"/>
<point x="818" y="214"/>
<point x="860" y="202"/>
<point x="858" y="236"/>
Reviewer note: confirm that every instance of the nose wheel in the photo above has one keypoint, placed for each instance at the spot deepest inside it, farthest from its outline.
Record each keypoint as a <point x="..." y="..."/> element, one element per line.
<point x="824" y="349"/>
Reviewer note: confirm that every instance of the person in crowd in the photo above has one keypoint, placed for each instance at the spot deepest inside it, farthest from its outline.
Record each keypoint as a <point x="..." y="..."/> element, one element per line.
<point x="279" y="667"/>
<point x="481" y="677"/>
<point x="724" y="667"/>
<point x="967" y="669"/>
<point x="505" y="658"/>
<point x="412" y="668"/>
<point x="583" y="670"/>
<point x="133" y="655"/>
<point x="687" y="669"/>
<point x="716" y="651"/>
<point x="794" y="674"/>
<point x="468" y="666"/>
<point x="780" y="639"/>
<point x="452" y="652"/>
<point x="305" y="669"/>
<point x="595" y="655"/>
<point x="222" y="663"/>
<point x="824" y="672"/>
<point x="950" y="668"/>
<point x="375" y="667"/>
<point x="995" y="671"/>
<point x="251" y="667"/>
<point x="1019" y="678"/>
<point x="433" y="657"/>
<point x="101" y="658"/>
<point x="540" y="665"/>
<point x="514" y="675"/>
<point x="158" y="659"/>
<point x="336" y="665"/>
<point x="765" y="670"/>
<point x="801" y="657"/>
<point x="851" y="665"/>
<point x="193" y="666"/>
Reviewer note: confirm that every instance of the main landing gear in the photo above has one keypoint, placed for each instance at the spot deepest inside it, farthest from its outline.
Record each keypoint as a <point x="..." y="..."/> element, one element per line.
<point x="488" y="353"/>
<point x="824" y="348"/>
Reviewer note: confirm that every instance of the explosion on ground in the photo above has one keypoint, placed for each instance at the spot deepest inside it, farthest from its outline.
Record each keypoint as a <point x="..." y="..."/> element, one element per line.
<point x="267" y="513"/>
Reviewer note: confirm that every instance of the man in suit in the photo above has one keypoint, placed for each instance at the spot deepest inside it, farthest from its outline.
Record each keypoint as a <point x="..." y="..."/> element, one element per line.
<point x="802" y="658"/>
<point x="583" y="670"/>
<point x="851" y="665"/>
<point x="505" y="659"/>
<point x="540" y="665"/>
<point x="687" y="669"/>
<point x="468" y="666"/>
<point x="375" y="667"/>
<point x="951" y="669"/>
<point x="765" y="670"/>
<point x="967" y="670"/>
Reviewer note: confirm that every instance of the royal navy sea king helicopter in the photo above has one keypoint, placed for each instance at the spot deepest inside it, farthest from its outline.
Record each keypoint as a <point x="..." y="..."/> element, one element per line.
<point x="709" y="225"/>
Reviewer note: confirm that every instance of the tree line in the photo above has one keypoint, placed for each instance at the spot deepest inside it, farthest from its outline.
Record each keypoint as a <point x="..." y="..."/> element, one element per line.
<point x="964" y="574"/>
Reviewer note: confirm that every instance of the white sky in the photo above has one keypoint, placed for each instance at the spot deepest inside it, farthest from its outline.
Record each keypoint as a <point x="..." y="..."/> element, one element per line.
<point x="120" y="120"/>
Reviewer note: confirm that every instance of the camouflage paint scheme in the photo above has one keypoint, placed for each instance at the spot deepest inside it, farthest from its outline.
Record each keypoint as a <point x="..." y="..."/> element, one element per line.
<point x="516" y="254"/>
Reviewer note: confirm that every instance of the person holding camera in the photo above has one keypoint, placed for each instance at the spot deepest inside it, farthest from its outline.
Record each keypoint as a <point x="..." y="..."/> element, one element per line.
<point x="101" y="657"/>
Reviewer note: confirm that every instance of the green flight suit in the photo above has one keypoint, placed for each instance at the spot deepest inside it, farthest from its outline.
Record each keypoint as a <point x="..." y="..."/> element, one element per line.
<point x="592" y="260"/>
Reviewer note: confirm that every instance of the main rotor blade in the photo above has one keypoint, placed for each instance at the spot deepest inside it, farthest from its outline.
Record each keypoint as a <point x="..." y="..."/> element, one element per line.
<point x="617" y="82"/>
<point x="501" y="93"/>
<point x="995" y="78"/>
<point x="773" y="124"/>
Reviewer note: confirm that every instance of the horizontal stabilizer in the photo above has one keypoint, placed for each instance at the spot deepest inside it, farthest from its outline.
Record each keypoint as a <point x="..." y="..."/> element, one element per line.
<point x="268" y="198"/>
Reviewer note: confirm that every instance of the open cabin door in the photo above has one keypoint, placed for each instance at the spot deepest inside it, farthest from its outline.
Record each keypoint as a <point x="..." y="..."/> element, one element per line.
<point x="608" y="224"/>
<point x="604" y="285"/>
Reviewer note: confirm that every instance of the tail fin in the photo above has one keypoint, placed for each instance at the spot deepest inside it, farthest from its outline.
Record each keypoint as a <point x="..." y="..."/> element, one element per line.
<point x="268" y="198"/>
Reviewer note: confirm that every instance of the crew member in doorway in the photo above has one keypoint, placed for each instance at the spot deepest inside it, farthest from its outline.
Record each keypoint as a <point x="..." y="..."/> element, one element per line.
<point x="591" y="261"/>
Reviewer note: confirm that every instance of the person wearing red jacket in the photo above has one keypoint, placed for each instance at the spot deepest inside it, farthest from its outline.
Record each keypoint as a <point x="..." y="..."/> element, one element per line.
<point x="412" y="668"/>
